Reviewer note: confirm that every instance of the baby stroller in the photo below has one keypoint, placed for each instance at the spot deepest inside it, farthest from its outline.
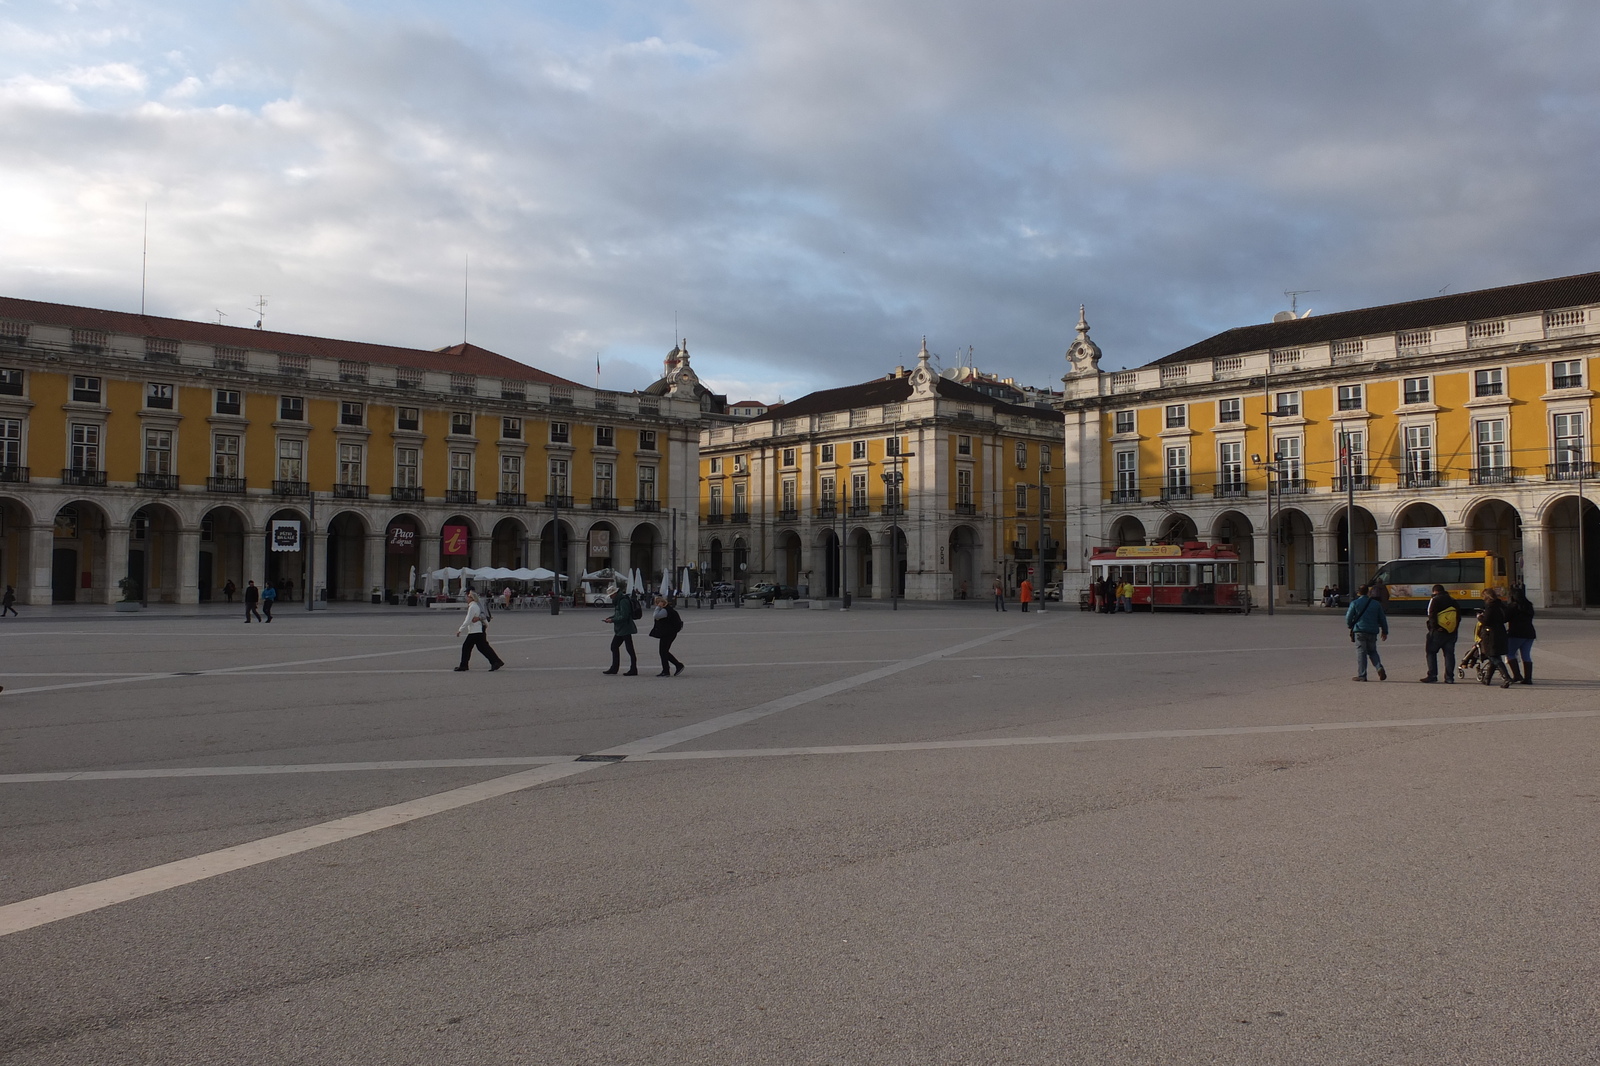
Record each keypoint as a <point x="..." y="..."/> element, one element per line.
<point x="1477" y="659"/>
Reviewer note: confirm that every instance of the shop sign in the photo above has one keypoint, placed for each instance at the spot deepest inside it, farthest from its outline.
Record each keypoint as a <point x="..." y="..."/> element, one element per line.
<point x="402" y="540"/>
<point x="285" y="535"/>
<point x="599" y="543"/>
<point x="453" y="541"/>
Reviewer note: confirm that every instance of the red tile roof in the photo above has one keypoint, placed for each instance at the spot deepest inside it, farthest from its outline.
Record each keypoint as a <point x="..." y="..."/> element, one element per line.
<point x="456" y="359"/>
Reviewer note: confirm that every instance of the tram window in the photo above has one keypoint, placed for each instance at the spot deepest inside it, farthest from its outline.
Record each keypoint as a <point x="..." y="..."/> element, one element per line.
<point x="1226" y="573"/>
<point x="1141" y="574"/>
<point x="1208" y="574"/>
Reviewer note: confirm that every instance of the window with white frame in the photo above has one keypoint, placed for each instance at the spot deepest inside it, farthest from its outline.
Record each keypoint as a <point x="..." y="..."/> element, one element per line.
<point x="11" y="381"/>
<point x="352" y="464"/>
<point x="716" y="464"/>
<point x="647" y="440"/>
<point x="964" y="486"/>
<point x="1486" y="383"/>
<point x="1566" y="374"/>
<point x="1568" y="433"/>
<point x="1350" y="397"/>
<point x="790" y="494"/>
<point x="510" y="473"/>
<point x="716" y="499"/>
<point x="1352" y="452"/>
<point x="560" y="486"/>
<point x="1230" y="410"/>
<point x="1287" y="405"/>
<point x="827" y="453"/>
<point x="407" y="468"/>
<point x="85" y="389"/>
<point x="1044" y="499"/>
<point x="1124" y="421"/>
<point x="86" y="446"/>
<point x="291" y="459"/>
<point x="891" y="446"/>
<point x="858" y="449"/>
<point x="1044" y="457"/>
<point x="741" y="464"/>
<point x="1230" y="464"/>
<point x="1127" y="473"/>
<point x="1419" y="452"/>
<point x="291" y="408"/>
<point x="10" y="442"/>
<point x="1289" y="458"/>
<point x="408" y="418"/>
<point x="461" y="423"/>
<point x="740" y="504"/>
<point x="858" y="490"/>
<point x="963" y="444"/>
<point x="1489" y="434"/>
<point x="460" y="471"/>
<point x="829" y="489"/>
<point x="158" y="451"/>
<point x="511" y="429"/>
<point x="158" y="395"/>
<point x="1022" y="499"/>
<point x="560" y="433"/>
<point x="788" y="457"/>
<point x="1418" y="390"/>
<point x="647" y="483"/>
<point x="605" y="480"/>
<point x="1177" y="467"/>
<point x="227" y="402"/>
<point x="1177" y="415"/>
<point x="605" y="436"/>
<point x="1022" y="455"/>
<point x="352" y="413"/>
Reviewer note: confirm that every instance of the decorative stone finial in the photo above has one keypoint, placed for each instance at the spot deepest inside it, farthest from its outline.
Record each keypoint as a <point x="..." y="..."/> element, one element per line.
<point x="1084" y="354"/>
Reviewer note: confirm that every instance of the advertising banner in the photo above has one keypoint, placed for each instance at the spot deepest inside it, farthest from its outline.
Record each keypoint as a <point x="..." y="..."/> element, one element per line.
<point x="1424" y="542"/>
<point x="402" y="540"/>
<point x="453" y="541"/>
<point x="285" y="535"/>
<point x="599" y="543"/>
<point x="1147" y="551"/>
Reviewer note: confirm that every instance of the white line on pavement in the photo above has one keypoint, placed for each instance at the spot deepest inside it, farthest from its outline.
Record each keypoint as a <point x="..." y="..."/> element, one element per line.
<point x="67" y="903"/>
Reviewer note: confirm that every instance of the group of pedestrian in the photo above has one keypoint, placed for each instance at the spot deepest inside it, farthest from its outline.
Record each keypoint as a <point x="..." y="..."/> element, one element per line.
<point x="1504" y="636"/>
<point x="258" y="602"/>
<point x="625" y="613"/>
<point x="1110" y="596"/>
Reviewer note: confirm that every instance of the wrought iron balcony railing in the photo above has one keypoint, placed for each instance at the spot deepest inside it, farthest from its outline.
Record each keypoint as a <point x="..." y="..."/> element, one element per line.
<point x="1420" y="479"/>
<point x="346" y="490"/>
<point x="290" y="488"/>
<point x="1293" y="486"/>
<point x="1177" y="492"/>
<point x="14" y="475"/>
<point x="557" y="500"/>
<point x="1229" y="490"/>
<point x="641" y="504"/>
<point x="77" y="475"/>
<point x="407" y="494"/>
<point x="159" y="482"/>
<point x="1358" y="482"/>
<point x="603" y="503"/>
<point x="511" y="499"/>
<point x="1125" y="496"/>
<point x="1571" y="470"/>
<point x="460" y="495"/>
<point x="1496" y="475"/>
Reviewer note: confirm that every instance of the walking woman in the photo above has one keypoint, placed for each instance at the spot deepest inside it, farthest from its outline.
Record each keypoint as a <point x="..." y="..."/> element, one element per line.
<point x="1493" y="641"/>
<point x="668" y="626"/>
<point x="476" y="625"/>
<point x="622" y="631"/>
<point x="1520" y="635"/>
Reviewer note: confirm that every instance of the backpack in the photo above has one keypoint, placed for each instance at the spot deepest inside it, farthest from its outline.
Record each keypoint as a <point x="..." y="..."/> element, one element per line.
<point x="1448" y="619"/>
<point x="634" y="609"/>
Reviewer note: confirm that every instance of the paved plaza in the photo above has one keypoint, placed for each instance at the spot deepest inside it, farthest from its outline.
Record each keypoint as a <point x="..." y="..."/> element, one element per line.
<point x="937" y="835"/>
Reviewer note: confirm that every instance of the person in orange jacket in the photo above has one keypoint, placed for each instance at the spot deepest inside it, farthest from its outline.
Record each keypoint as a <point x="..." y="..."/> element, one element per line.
<point x="1025" y="594"/>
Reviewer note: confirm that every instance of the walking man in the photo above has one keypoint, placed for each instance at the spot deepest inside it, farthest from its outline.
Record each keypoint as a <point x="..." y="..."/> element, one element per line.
<point x="475" y="625"/>
<point x="1444" y="623"/>
<point x="1367" y="621"/>
<point x="269" y="596"/>
<point x="668" y="624"/>
<point x="8" y="602"/>
<point x="622" y="631"/>
<point x="252" y="596"/>
<point x="999" y="595"/>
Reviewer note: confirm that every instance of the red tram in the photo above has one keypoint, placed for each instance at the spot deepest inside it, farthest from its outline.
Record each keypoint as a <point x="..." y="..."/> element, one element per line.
<point x="1194" y="576"/>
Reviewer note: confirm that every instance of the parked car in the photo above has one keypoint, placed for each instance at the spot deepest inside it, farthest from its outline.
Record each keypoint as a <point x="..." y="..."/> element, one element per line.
<point x="1052" y="592"/>
<point x="766" y="592"/>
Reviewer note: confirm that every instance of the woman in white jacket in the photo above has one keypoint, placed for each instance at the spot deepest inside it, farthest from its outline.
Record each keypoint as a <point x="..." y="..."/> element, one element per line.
<point x="474" y="626"/>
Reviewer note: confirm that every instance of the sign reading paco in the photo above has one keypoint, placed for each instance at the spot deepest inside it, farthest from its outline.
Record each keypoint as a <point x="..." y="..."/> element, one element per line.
<point x="285" y="535"/>
<point x="402" y="540"/>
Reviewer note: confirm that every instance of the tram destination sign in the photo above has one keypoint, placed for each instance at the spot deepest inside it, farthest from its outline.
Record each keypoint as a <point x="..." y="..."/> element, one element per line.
<point x="1148" y="551"/>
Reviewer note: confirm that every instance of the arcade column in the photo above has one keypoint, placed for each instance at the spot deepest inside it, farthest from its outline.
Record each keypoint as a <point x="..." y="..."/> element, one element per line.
<point x="189" y="565"/>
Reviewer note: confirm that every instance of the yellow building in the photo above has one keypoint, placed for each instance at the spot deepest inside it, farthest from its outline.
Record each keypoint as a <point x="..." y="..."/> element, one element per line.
<point x="1467" y="414"/>
<point x="915" y="474"/>
<point x="179" y="456"/>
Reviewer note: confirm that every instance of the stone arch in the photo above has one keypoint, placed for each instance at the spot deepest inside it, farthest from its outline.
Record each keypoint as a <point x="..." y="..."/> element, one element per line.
<point x="1493" y="525"/>
<point x="153" y="552"/>
<point x="508" y="544"/>
<point x="825" y="547"/>
<point x="716" y="561"/>
<point x="1126" y="530"/>
<point x="1572" y="557"/>
<point x="288" y="571"/>
<point x="789" y="558"/>
<point x="79" y="563"/>
<point x="1177" y="528"/>
<point x="600" y="552"/>
<point x="455" y="550"/>
<point x="345" y="556"/>
<point x="1340" y="573"/>
<point x="1418" y="513"/>
<point x="16" y="546"/>
<point x="741" y="561"/>
<point x="1294" y="556"/>
<point x="223" y="532"/>
<point x="646" y="551"/>
<point x="559" y="534"/>
<point x="859" y="576"/>
<point x="1234" y="529"/>
<point x="964" y="568"/>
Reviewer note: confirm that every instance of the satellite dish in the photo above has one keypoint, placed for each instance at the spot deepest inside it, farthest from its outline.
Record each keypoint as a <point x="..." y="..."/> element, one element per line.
<point x="1284" y="316"/>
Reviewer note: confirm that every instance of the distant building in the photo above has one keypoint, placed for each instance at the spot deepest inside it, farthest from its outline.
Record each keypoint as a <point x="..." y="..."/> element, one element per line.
<point x="748" y="409"/>
<point x="1471" y="412"/>
<point x="926" y="482"/>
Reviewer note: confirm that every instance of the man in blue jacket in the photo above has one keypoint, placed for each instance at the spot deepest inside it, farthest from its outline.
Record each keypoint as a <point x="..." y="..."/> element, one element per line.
<point x="1367" y="621"/>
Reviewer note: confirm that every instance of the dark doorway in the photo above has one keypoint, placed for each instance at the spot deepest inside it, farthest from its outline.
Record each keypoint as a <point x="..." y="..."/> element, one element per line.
<point x="64" y="575"/>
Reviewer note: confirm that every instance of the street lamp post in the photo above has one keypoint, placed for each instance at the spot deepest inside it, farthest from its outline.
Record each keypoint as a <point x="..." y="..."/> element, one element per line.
<point x="892" y="482"/>
<point x="555" y="544"/>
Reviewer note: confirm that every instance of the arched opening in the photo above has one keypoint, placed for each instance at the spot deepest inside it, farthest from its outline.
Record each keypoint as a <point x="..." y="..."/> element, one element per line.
<point x="1238" y="532"/>
<point x="1364" y="539"/>
<point x="861" y="563"/>
<point x="963" y="563"/>
<point x="153" y="554"/>
<point x="1420" y="515"/>
<point x="559" y="535"/>
<point x="16" y="547"/>
<point x="222" y="533"/>
<point x="600" y="548"/>
<point x="402" y="553"/>
<point x="347" y="557"/>
<point x="1574" y="574"/>
<point x="789" y="558"/>
<point x="1495" y="526"/>
<point x="1177" y="528"/>
<point x="508" y="544"/>
<point x="456" y="539"/>
<point x="741" y="562"/>
<point x="1295" y="557"/>
<point x="644" y="553"/>
<point x="1127" y="530"/>
<point x="715" y="564"/>
<point x="287" y="556"/>
<point x="827" y="550"/>
<point x="78" y="564"/>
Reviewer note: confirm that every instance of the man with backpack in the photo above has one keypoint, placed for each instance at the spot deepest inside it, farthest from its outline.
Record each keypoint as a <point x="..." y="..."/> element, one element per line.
<point x="1444" y="623"/>
<point x="624" y="611"/>
<point x="1367" y="620"/>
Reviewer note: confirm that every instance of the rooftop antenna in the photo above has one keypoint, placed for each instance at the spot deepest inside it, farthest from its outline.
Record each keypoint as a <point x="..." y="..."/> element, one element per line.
<point x="144" y="257"/>
<point x="220" y="315"/>
<point x="466" y="278"/>
<point x="1442" y="291"/>
<point x="1294" y="297"/>
<point x="261" y="310"/>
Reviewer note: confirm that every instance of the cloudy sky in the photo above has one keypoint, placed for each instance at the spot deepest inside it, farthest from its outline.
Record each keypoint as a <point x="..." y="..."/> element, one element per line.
<point x="806" y="186"/>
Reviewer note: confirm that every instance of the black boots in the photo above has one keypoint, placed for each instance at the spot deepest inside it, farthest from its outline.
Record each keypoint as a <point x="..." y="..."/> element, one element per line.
<point x="1516" y="672"/>
<point x="1527" y="673"/>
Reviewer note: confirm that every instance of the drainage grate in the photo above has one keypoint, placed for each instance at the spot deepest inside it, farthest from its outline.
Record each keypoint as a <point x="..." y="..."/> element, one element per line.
<point x="601" y="758"/>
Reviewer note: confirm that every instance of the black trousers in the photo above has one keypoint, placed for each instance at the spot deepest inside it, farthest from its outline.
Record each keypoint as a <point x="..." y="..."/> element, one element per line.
<point x="266" y="608"/>
<point x="667" y="658"/>
<point x="250" y="609"/>
<point x="623" y="640"/>
<point x="481" y="642"/>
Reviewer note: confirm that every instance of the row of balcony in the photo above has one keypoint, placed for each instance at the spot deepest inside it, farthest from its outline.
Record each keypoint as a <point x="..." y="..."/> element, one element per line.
<point x="1413" y="479"/>
<point x="825" y="512"/>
